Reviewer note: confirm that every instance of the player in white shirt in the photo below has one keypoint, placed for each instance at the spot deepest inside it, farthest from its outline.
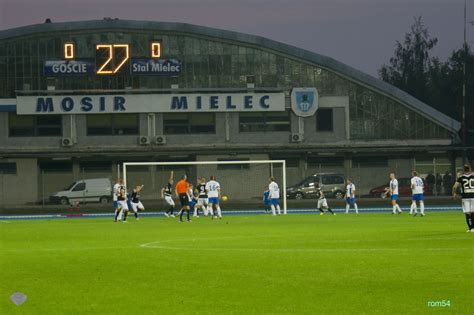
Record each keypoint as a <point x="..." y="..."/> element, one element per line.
<point x="122" y="203"/>
<point x="417" y="187"/>
<point x="213" y="189"/>
<point x="392" y="190"/>
<point x="115" y="192"/>
<point x="274" y="195"/>
<point x="351" y="196"/>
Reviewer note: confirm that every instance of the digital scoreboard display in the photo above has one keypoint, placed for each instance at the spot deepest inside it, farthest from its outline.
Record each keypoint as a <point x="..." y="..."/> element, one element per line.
<point x="113" y="59"/>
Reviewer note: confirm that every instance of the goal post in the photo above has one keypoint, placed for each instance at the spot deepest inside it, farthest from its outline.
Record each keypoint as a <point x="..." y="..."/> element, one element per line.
<point x="223" y="169"/>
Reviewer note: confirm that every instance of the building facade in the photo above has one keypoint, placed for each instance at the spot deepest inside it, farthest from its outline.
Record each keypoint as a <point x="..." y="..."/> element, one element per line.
<point x="78" y="98"/>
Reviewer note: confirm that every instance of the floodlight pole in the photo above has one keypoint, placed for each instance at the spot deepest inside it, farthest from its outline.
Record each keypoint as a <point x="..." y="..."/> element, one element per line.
<point x="463" y="106"/>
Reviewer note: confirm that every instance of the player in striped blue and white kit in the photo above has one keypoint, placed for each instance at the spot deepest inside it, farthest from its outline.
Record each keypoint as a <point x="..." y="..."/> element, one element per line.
<point x="392" y="190"/>
<point x="351" y="196"/>
<point x="417" y="187"/>
<point x="274" y="195"/>
<point x="213" y="189"/>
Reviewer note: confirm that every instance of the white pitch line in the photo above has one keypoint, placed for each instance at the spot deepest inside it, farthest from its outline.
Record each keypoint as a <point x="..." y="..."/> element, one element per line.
<point x="2" y="221"/>
<point x="64" y="249"/>
<point x="157" y="245"/>
<point x="306" y="250"/>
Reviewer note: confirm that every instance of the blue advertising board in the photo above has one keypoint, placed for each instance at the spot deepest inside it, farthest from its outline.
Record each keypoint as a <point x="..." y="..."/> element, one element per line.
<point x="68" y="67"/>
<point x="168" y="67"/>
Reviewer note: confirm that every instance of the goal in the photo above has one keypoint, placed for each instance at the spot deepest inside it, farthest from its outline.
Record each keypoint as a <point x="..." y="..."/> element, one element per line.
<point x="243" y="181"/>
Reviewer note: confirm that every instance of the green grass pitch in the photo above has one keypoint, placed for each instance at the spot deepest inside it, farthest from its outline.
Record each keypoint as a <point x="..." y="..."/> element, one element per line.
<point x="371" y="263"/>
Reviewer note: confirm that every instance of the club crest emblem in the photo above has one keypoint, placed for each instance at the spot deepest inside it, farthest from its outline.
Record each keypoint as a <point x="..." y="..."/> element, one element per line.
<point x="304" y="101"/>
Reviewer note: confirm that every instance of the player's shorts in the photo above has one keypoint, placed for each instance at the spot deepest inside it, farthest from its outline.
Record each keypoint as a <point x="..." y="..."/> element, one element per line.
<point x="468" y="205"/>
<point x="322" y="203"/>
<point x="192" y="203"/>
<point x="137" y="205"/>
<point x="274" y="201"/>
<point x="123" y="204"/>
<point x="214" y="200"/>
<point x="115" y="204"/>
<point x="417" y="197"/>
<point x="394" y="197"/>
<point x="169" y="200"/>
<point x="202" y="202"/>
<point x="351" y="201"/>
<point x="184" y="199"/>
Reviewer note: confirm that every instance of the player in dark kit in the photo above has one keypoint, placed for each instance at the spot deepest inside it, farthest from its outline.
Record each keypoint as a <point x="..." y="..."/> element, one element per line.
<point x="202" y="197"/>
<point x="465" y="183"/>
<point x="322" y="202"/>
<point x="136" y="203"/>
<point x="167" y="195"/>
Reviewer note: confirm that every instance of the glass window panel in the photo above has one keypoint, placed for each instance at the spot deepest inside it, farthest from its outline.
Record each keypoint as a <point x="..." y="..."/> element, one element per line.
<point x="324" y="119"/>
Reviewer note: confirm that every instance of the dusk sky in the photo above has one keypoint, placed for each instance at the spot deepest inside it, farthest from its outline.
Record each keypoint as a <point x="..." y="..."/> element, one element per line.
<point x="360" y="33"/>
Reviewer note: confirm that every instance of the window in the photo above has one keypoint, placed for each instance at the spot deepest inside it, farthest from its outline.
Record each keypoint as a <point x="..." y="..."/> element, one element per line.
<point x="189" y="123"/>
<point x="56" y="166"/>
<point x="290" y="161"/>
<point x="106" y="125"/>
<point x="325" y="162"/>
<point x="8" y="168"/>
<point x="333" y="179"/>
<point x="34" y="126"/>
<point x="372" y="161"/>
<point x="79" y="187"/>
<point x="233" y="166"/>
<point x="264" y="122"/>
<point x="95" y="166"/>
<point x="324" y="119"/>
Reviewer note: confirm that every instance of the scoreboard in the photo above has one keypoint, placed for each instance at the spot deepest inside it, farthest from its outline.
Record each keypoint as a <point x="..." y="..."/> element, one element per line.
<point x="113" y="59"/>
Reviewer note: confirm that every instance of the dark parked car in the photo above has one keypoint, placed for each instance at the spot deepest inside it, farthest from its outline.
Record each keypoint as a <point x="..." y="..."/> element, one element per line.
<point x="404" y="188"/>
<point x="332" y="184"/>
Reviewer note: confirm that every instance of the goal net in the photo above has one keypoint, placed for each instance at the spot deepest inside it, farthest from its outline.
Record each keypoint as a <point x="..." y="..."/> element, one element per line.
<point x="243" y="182"/>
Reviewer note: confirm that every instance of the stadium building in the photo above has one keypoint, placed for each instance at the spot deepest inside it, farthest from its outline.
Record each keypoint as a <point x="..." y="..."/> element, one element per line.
<point x="78" y="98"/>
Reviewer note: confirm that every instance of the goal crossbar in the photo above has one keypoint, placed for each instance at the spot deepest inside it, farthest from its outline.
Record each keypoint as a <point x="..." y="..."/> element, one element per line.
<point x="271" y="162"/>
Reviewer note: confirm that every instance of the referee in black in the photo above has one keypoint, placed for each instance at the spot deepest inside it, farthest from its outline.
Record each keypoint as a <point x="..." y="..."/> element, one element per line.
<point x="465" y="183"/>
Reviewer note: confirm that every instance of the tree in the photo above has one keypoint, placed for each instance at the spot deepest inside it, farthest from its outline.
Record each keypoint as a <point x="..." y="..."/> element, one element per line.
<point x="408" y="69"/>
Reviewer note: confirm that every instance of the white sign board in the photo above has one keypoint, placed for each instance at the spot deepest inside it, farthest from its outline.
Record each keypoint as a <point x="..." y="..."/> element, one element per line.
<point x="150" y="103"/>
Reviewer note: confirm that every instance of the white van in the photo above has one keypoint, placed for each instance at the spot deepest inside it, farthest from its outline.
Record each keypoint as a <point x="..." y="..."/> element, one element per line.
<point x="87" y="190"/>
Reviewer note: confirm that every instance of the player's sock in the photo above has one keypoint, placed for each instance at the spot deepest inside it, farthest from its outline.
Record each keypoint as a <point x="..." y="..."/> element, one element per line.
<point x="125" y="215"/>
<point x="356" y="208"/>
<point x="187" y="214"/>
<point x="204" y="209"/>
<point x="468" y="220"/>
<point x="472" y="220"/>
<point x="347" y="208"/>
<point x="398" y="208"/>
<point x="136" y="214"/>
<point x="422" y="207"/>
<point x="278" y="209"/>
<point x="181" y="215"/>
<point x="330" y="210"/>
<point x="120" y="215"/>
<point x="413" y="207"/>
<point x="219" y="213"/>
<point x="394" y="209"/>
<point x="321" y="210"/>
<point x="116" y="214"/>
<point x="273" y="209"/>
